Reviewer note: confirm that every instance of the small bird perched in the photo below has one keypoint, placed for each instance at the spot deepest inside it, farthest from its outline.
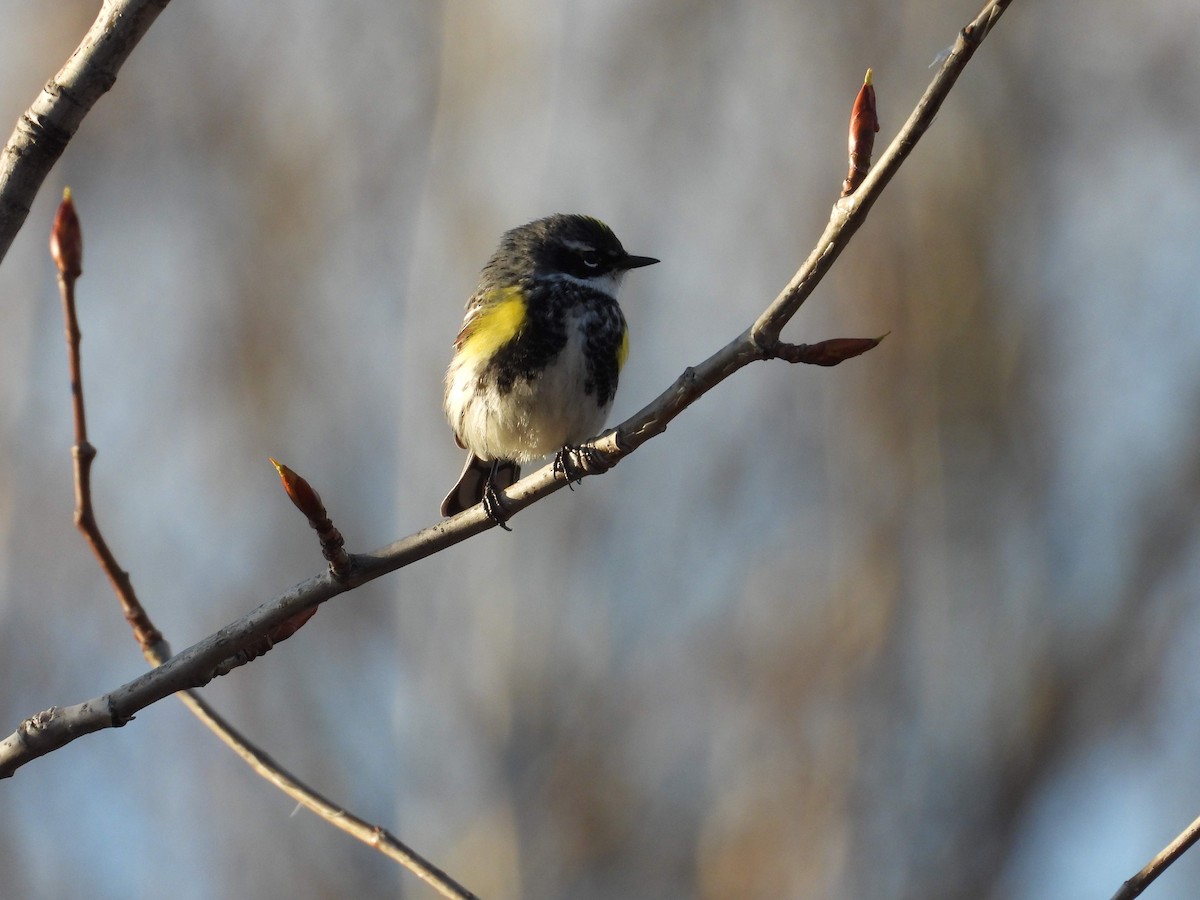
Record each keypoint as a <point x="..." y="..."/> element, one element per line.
<point x="535" y="365"/>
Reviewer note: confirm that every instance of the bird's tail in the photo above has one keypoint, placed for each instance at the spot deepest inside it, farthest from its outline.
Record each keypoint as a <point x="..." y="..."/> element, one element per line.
<point x="473" y="481"/>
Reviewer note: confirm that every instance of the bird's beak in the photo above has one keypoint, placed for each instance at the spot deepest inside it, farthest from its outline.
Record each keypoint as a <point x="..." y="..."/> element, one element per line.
<point x="636" y="262"/>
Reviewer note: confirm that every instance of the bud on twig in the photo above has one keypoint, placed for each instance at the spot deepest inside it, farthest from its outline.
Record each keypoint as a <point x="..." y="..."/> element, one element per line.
<point x="308" y="501"/>
<point x="66" y="239"/>
<point x="864" y="123"/>
<point x="827" y="353"/>
<point x="300" y="492"/>
<point x="263" y="645"/>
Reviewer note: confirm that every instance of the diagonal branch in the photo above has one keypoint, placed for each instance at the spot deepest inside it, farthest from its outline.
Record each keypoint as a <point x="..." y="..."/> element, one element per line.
<point x="371" y="835"/>
<point x="1143" y="879"/>
<point x="197" y="665"/>
<point x="44" y="130"/>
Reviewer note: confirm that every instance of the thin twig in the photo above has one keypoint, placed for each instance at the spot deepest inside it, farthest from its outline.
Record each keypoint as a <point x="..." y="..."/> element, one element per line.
<point x="1143" y="879"/>
<point x="67" y="248"/>
<point x="44" y="130"/>
<point x="149" y="638"/>
<point x="195" y="666"/>
<point x="371" y="835"/>
<point x="850" y="212"/>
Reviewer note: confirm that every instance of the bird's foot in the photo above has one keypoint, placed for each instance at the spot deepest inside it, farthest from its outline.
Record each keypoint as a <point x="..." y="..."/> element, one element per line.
<point x="575" y="462"/>
<point x="493" y="505"/>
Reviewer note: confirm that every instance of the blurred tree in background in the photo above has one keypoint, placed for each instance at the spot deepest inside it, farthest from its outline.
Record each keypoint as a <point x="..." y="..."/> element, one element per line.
<point x="919" y="626"/>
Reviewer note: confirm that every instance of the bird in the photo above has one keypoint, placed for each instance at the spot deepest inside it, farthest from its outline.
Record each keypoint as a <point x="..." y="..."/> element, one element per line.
<point x="536" y="362"/>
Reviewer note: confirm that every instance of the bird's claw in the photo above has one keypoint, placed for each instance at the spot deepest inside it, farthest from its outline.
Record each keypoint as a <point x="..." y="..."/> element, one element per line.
<point x="493" y="505"/>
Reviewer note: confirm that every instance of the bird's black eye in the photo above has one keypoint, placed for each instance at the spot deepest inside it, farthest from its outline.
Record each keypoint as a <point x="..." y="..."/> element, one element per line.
<point x="590" y="258"/>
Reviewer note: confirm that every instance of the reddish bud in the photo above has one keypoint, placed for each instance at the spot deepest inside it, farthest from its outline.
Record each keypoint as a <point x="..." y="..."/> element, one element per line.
<point x="300" y="492"/>
<point x="333" y="546"/>
<point x="66" y="239"/>
<point x="827" y="353"/>
<point x="263" y="645"/>
<point x="864" y="123"/>
<point x="288" y="627"/>
<point x="838" y="350"/>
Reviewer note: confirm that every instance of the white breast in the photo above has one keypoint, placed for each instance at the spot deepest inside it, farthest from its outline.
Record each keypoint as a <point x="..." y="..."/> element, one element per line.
<point x="533" y="419"/>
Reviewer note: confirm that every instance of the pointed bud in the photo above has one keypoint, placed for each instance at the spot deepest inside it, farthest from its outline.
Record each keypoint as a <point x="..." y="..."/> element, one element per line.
<point x="827" y="353"/>
<point x="864" y="123"/>
<point x="333" y="545"/>
<point x="300" y="492"/>
<point x="66" y="239"/>
<point x="838" y="350"/>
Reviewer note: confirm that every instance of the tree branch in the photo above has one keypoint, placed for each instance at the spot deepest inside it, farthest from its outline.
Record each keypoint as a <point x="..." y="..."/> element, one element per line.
<point x="44" y="130"/>
<point x="196" y="666"/>
<point x="850" y="212"/>
<point x="1143" y="879"/>
<point x="372" y="835"/>
<point x="66" y="246"/>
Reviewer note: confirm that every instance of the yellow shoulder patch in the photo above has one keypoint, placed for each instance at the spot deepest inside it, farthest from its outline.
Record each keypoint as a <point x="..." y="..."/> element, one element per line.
<point x="623" y="350"/>
<point x="496" y="323"/>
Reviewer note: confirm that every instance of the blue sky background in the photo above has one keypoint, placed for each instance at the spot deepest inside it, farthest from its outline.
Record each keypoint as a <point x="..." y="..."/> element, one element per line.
<point x="923" y="625"/>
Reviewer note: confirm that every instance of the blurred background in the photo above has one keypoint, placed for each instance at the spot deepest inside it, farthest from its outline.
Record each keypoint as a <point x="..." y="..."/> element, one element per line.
<point x="920" y="626"/>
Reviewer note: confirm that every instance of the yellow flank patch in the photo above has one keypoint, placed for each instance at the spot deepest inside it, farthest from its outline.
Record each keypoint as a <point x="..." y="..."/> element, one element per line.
<point x="623" y="350"/>
<point x="494" y="325"/>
